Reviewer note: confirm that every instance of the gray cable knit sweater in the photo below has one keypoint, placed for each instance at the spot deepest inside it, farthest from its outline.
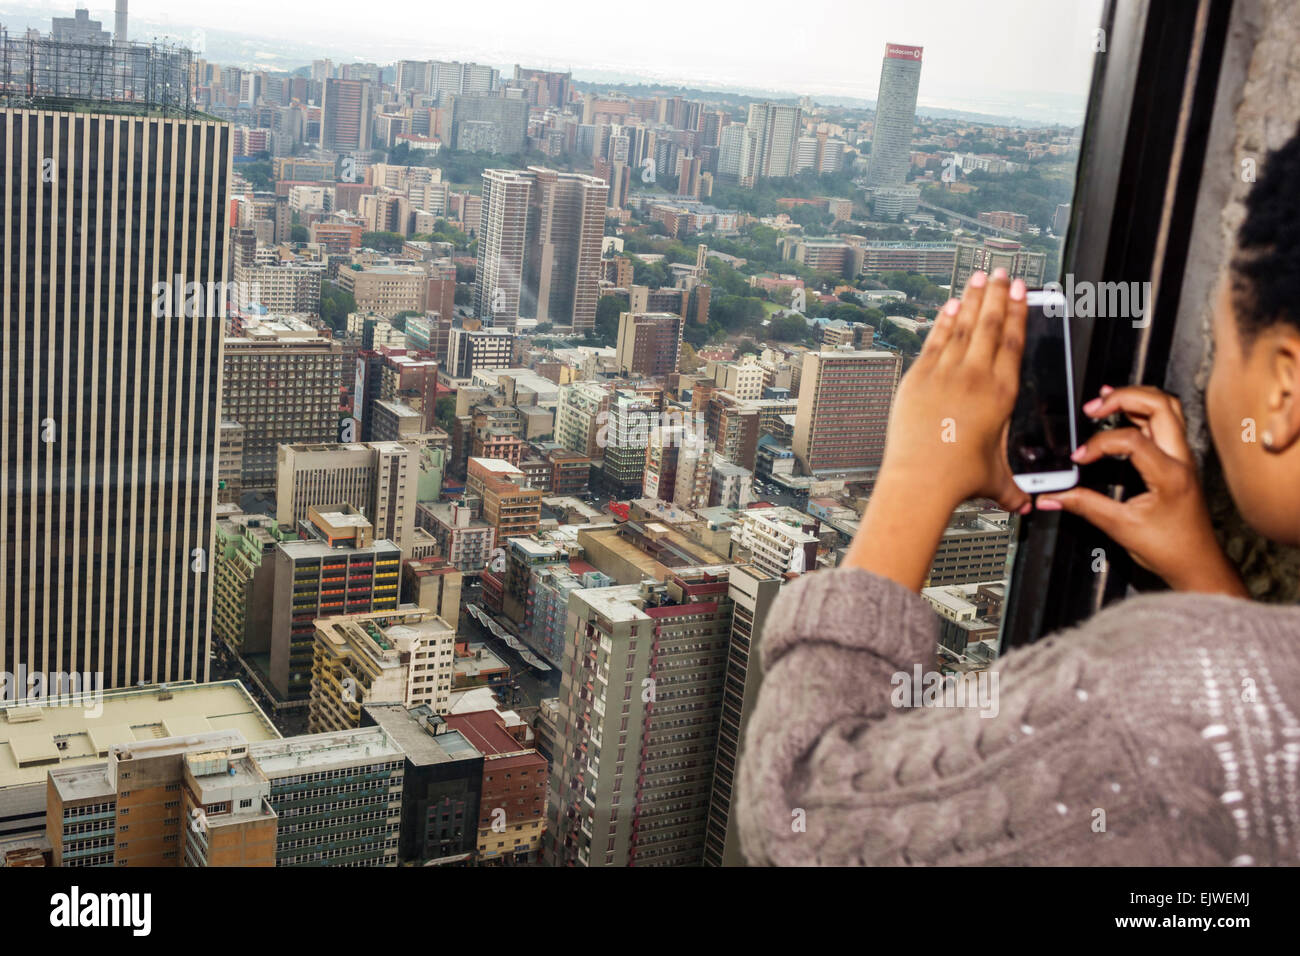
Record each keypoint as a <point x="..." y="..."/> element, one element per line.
<point x="1163" y="731"/>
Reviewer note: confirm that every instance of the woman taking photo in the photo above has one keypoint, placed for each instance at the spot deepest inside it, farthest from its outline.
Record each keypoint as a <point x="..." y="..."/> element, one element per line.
<point x="1163" y="731"/>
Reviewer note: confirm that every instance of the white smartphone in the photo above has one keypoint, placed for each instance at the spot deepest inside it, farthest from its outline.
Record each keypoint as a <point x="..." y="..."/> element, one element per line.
<point x="1042" y="435"/>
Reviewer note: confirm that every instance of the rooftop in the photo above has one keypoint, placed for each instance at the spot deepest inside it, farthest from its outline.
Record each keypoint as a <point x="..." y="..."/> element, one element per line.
<point x="35" y="739"/>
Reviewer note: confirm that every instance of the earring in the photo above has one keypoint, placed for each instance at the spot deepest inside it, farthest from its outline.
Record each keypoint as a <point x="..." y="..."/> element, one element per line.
<point x="1267" y="439"/>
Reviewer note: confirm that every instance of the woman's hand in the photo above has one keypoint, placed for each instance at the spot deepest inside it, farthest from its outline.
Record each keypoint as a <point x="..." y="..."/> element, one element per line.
<point x="1166" y="529"/>
<point x="947" y="431"/>
<point x="948" y="428"/>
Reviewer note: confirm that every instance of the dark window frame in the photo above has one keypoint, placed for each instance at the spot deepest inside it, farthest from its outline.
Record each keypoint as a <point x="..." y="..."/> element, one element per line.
<point x="1136" y="187"/>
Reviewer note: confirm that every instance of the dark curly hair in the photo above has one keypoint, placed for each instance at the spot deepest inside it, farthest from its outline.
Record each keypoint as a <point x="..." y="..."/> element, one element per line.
<point x="1264" y="274"/>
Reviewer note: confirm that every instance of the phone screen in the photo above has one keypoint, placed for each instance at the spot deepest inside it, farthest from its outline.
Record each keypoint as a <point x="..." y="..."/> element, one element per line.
<point x="1041" y="437"/>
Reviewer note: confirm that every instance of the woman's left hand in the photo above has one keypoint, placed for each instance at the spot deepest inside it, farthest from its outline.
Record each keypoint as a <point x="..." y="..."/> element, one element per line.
<point x="950" y="417"/>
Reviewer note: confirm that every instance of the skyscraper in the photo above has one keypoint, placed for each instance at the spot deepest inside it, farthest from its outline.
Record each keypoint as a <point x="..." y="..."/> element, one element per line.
<point x="844" y="402"/>
<point x="776" y="130"/>
<point x="110" y="396"/>
<point x="539" y="247"/>
<point x="891" y="141"/>
<point x="345" y="115"/>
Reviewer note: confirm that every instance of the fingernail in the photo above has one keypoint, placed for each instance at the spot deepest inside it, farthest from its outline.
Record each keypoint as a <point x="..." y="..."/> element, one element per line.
<point x="952" y="306"/>
<point x="978" y="280"/>
<point x="999" y="273"/>
<point x="1048" y="504"/>
<point x="1018" y="289"/>
<point x="1079" y="453"/>
<point x="1027" y="507"/>
<point x="1092" y="406"/>
<point x="1106" y="390"/>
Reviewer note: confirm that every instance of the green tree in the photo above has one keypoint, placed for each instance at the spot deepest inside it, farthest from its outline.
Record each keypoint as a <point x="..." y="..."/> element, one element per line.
<point x="298" y="234"/>
<point x="335" y="305"/>
<point x="383" y="241"/>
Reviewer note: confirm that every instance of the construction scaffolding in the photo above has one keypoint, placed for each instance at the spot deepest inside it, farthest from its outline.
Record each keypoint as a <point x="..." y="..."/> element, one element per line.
<point x="40" y="72"/>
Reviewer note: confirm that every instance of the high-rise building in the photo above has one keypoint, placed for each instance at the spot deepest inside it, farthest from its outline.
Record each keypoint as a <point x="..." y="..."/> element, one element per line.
<point x="472" y="349"/>
<point x="345" y="115"/>
<point x="578" y="417"/>
<point x="108" y="461"/>
<point x="509" y="505"/>
<point x="640" y="703"/>
<point x="339" y="569"/>
<point x="624" y="437"/>
<point x="752" y="592"/>
<point x="379" y="479"/>
<point x="986" y="254"/>
<point x="283" y="387"/>
<point x="891" y="140"/>
<point x="649" y="343"/>
<point x="539" y="247"/>
<point x="844" y="402"/>
<point x="776" y="128"/>
<point x="401" y="656"/>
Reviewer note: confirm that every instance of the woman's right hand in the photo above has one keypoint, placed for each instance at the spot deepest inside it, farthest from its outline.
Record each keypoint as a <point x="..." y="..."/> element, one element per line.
<point x="1166" y="529"/>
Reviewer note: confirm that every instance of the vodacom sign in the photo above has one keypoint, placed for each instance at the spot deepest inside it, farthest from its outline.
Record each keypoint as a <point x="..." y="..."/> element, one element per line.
<point x="903" y="52"/>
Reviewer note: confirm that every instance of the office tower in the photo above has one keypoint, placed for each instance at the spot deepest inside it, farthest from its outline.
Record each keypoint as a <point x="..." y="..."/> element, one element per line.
<point x="694" y="469"/>
<point x="730" y="485"/>
<point x="891" y="140"/>
<point x="640" y="700"/>
<point x="464" y="538"/>
<point x="244" y="576"/>
<point x="779" y="541"/>
<point x="553" y="585"/>
<point x="844" y="402"/>
<point x="661" y="454"/>
<point x="119" y="22"/>
<point x="230" y="462"/>
<point x="108" y="462"/>
<point x="79" y="28"/>
<point x="502" y="241"/>
<point x="434" y="584"/>
<point x="282" y="386"/>
<point x="379" y="479"/>
<point x="738" y="155"/>
<point x="566" y="223"/>
<point x="509" y="506"/>
<point x="624" y="437"/>
<point x="196" y="800"/>
<point x="752" y="592"/>
<point x="578" y="417"/>
<point x="402" y="656"/>
<point x="345" y="118"/>
<point x="975" y="254"/>
<point x="649" y="343"/>
<point x="442" y="780"/>
<point x="539" y="247"/>
<point x="488" y="123"/>
<point x="776" y="129"/>
<point x="306" y="775"/>
<point x="973" y="548"/>
<point x="471" y="350"/>
<point x="512" y="804"/>
<point x="338" y="569"/>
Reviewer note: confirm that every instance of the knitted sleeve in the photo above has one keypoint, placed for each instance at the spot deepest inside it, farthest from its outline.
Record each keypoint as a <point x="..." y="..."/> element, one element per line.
<point x="1119" y="742"/>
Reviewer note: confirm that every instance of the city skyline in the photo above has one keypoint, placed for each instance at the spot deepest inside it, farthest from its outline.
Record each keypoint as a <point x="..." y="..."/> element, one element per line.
<point x="967" y="70"/>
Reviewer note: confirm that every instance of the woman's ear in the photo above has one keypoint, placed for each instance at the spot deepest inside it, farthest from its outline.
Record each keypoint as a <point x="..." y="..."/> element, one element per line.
<point x="1280" y="344"/>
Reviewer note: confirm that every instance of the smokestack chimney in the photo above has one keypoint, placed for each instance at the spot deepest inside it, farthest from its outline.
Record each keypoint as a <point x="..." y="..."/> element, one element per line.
<point x="119" y="22"/>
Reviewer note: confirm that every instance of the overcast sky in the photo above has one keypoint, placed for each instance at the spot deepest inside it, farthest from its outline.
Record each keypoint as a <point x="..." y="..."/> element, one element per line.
<point x="975" y="52"/>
